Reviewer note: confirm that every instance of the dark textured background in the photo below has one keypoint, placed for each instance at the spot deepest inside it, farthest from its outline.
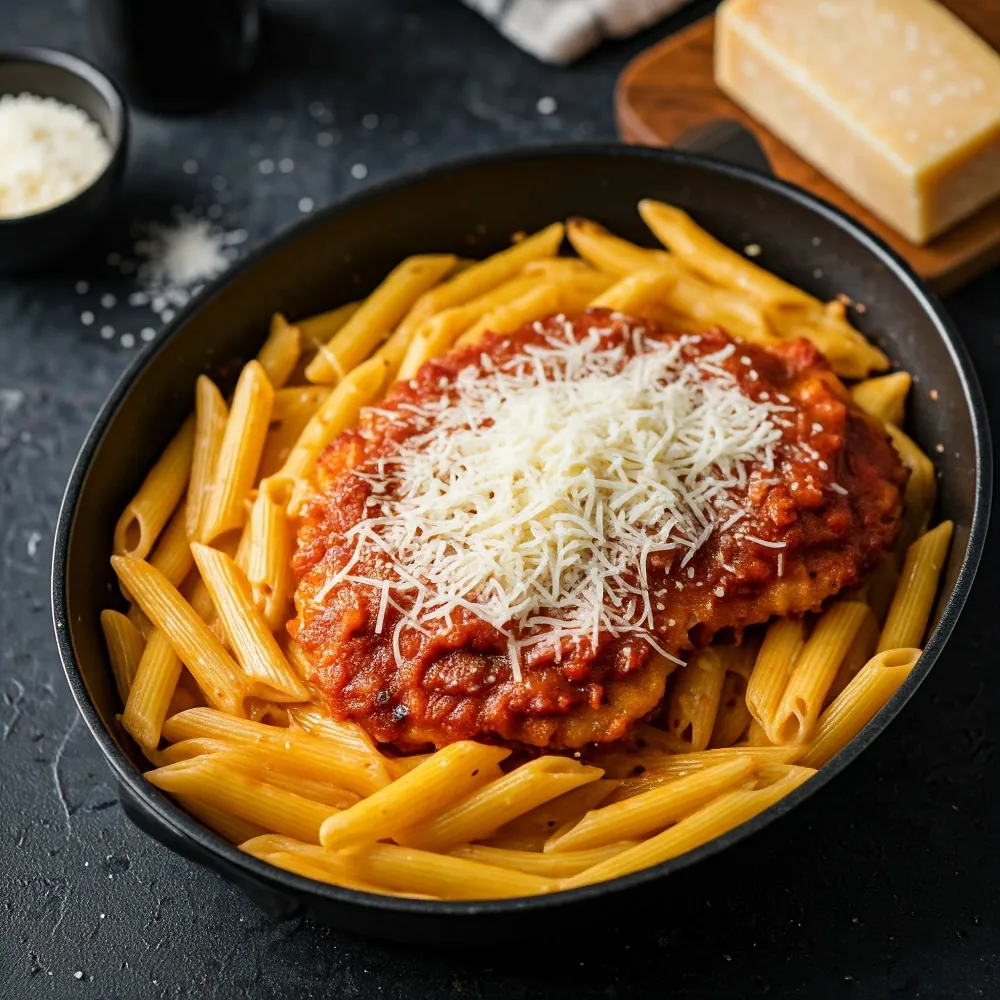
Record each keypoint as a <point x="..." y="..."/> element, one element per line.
<point x="887" y="883"/>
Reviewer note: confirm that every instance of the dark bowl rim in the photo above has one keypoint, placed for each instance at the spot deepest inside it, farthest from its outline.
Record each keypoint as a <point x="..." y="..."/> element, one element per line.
<point x="225" y="855"/>
<point x="104" y="87"/>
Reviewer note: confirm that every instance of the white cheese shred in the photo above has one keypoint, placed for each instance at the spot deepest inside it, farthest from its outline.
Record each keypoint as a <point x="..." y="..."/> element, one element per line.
<point x="536" y="493"/>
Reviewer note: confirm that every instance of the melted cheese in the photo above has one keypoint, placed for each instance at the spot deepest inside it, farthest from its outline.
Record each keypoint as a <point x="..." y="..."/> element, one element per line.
<point x="534" y="495"/>
<point x="896" y="101"/>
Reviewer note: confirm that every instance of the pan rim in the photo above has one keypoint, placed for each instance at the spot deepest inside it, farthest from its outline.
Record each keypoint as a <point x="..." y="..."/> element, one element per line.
<point x="227" y="856"/>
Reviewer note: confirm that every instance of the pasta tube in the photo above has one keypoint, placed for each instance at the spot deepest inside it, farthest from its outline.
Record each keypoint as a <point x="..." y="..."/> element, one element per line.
<point x="859" y="702"/>
<point x="280" y="353"/>
<point x="534" y="304"/>
<point x="921" y="488"/>
<point x="377" y="316"/>
<point x="287" y="750"/>
<point x="125" y="645"/>
<point x="193" y="641"/>
<point x="210" y="415"/>
<point x="694" y="699"/>
<point x="251" y="638"/>
<point x="172" y="554"/>
<point x="152" y="688"/>
<point x="440" y="781"/>
<point x="337" y="412"/>
<point x="611" y="253"/>
<point x="710" y="821"/>
<point x="814" y="672"/>
<point x="486" y="809"/>
<point x="209" y="780"/>
<point x="635" y="291"/>
<point x="149" y="510"/>
<point x="239" y="454"/>
<point x="911" y="606"/>
<point x="652" y="810"/>
<point x="884" y="397"/>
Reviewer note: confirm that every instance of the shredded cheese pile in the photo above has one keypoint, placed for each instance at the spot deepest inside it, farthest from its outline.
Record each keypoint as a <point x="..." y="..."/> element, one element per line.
<point x="49" y="151"/>
<point x="534" y="495"/>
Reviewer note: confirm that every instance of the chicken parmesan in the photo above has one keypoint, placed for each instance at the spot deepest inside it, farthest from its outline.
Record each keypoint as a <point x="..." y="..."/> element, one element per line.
<point x="517" y="544"/>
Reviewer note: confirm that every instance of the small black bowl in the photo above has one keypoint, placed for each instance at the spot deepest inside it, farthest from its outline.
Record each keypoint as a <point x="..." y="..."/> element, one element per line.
<point x="41" y="237"/>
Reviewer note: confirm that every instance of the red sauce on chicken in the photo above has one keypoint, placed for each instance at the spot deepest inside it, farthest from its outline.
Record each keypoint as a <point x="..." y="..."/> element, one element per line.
<point x="815" y="521"/>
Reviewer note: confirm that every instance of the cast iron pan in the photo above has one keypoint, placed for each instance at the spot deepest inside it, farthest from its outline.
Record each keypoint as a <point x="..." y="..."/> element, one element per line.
<point x="473" y="207"/>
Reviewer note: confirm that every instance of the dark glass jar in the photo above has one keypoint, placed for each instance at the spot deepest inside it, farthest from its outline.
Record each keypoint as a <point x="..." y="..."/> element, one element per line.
<point x="175" y="56"/>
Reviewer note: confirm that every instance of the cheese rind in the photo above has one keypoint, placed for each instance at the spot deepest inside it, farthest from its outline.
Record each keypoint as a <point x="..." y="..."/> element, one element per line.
<point x="896" y="101"/>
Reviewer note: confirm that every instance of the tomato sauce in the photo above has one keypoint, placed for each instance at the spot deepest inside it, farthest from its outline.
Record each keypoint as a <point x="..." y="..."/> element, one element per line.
<point x="814" y="524"/>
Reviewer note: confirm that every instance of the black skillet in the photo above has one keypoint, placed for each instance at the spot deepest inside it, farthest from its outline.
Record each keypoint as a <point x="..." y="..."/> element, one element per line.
<point x="472" y="207"/>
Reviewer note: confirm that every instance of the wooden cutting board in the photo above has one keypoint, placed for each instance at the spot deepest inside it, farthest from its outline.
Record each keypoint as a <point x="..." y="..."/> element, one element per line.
<point x="670" y="88"/>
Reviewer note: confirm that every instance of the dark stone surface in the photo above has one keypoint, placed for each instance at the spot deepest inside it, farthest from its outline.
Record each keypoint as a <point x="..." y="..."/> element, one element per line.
<point x="887" y="883"/>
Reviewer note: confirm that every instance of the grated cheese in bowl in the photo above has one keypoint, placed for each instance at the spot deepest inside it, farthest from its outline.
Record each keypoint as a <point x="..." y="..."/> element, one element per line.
<point x="49" y="152"/>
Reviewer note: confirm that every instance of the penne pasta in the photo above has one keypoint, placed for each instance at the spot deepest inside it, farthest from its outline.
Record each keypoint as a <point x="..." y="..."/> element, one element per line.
<point x="534" y="304"/>
<point x="485" y="275"/>
<point x="205" y="665"/>
<point x="213" y="668"/>
<point x="657" y="769"/>
<point x="436" y="334"/>
<point x="884" y="397"/>
<point x="705" y="254"/>
<point x="280" y="353"/>
<point x="149" y="510"/>
<point x="635" y="291"/>
<point x="437" y="783"/>
<point x="336" y="413"/>
<point x="814" y="671"/>
<point x="375" y="319"/>
<point x="255" y="646"/>
<point x="239" y="455"/>
<point x="172" y="553"/>
<point x="861" y="651"/>
<point x="910" y="611"/>
<point x="881" y="585"/>
<point x="125" y="645"/>
<point x="710" y="821"/>
<point x="652" y="810"/>
<point x="317" y="330"/>
<point x="560" y="865"/>
<point x="610" y="253"/>
<point x="211" y="415"/>
<point x="859" y="703"/>
<point x="315" y="789"/>
<point x="921" y="488"/>
<point x="225" y="824"/>
<point x="849" y="354"/>
<point x="733" y="717"/>
<point x="694" y="698"/>
<point x="209" y="780"/>
<point x="152" y="689"/>
<point x="486" y="809"/>
<point x="271" y="546"/>
<point x="284" y="749"/>
<point x="707" y="306"/>
<point x="530" y="831"/>
<point x="407" y="870"/>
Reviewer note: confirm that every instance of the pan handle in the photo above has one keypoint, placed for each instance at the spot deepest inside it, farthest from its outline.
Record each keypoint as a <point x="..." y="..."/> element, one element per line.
<point x="726" y="139"/>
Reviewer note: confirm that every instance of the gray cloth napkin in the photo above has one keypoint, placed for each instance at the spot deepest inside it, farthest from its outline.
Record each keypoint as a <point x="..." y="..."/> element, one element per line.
<point x="559" y="31"/>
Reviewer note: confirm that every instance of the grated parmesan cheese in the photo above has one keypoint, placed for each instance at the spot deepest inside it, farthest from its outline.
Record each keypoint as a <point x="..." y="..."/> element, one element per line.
<point x="49" y="151"/>
<point x="539" y="490"/>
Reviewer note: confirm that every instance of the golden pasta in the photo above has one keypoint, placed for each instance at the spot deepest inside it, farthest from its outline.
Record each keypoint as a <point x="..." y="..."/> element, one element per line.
<point x="229" y="706"/>
<point x="149" y="510"/>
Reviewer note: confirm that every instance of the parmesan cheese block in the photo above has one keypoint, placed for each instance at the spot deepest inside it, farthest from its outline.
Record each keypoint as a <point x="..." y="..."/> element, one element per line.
<point x="896" y="101"/>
